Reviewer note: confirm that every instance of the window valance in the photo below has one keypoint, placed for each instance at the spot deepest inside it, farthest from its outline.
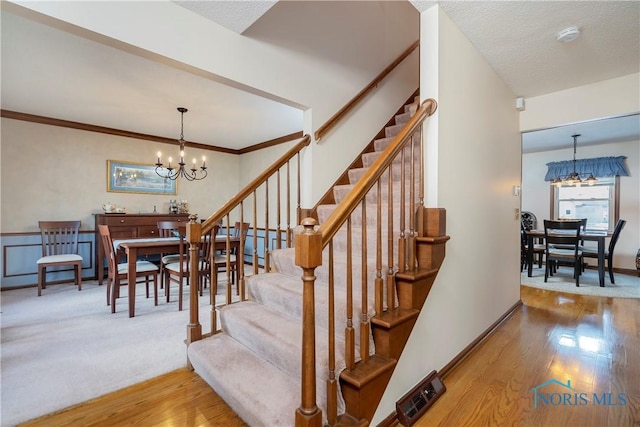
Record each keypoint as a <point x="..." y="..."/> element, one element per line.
<point x="598" y="166"/>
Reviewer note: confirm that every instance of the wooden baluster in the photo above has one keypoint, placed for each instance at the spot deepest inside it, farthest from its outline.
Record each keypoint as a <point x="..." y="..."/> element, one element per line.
<point x="308" y="256"/>
<point x="364" y="318"/>
<point x="391" y="277"/>
<point x="288" y="235"/>
<point x="349" y="333"/>
<point x="411" y="258"/>
<point x="401" y="239"/>
<point x="379" y="285"/>
<point x="240" y="256"/>
<point x="332" y="383"/>
<point x="194" y="234"/>
<point x="267" y="260"/>
<point x="278" y="218"/>
<point x="421" y="145"/>
<point x="228" y="260"/>
<point x="255" y="232"/>
<point x="299" y="198"/>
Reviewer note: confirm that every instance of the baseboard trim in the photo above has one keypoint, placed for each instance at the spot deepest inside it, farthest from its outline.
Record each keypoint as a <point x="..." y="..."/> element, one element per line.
<point x="392" y="419"/>
<point x="468" y="350"/>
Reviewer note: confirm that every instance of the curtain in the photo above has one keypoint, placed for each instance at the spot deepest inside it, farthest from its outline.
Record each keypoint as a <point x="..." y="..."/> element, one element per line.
<point x="598" y="166"/>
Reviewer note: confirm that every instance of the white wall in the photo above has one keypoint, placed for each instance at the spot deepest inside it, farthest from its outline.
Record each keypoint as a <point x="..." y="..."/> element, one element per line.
<point x="536" y="191"/>
<point x="56" y="173"/>
<point x="478" y="156"/>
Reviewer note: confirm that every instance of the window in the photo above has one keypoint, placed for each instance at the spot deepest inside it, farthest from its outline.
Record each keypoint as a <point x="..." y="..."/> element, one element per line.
<point x="598" y="203"/>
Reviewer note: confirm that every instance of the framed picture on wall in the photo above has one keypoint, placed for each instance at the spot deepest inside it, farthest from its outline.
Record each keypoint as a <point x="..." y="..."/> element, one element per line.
<point x="127" y="177"/>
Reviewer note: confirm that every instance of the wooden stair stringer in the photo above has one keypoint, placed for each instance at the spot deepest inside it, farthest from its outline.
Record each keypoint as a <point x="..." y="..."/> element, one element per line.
<point x="391" y="330"/>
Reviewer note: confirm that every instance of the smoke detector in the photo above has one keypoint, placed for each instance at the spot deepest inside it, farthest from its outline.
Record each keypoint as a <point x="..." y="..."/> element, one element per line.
<point x="568" y="34"/>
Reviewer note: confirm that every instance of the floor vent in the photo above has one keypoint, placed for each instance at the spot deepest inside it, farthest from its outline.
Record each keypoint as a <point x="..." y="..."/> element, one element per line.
<point x="415" y="403"/>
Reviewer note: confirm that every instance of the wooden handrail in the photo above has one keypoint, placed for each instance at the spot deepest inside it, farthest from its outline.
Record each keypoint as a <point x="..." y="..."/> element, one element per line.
<point x="337" y="218"/>
<point x="322" y="130"/>
<point x="195" y="230"/>
<point x="207" y="226"/>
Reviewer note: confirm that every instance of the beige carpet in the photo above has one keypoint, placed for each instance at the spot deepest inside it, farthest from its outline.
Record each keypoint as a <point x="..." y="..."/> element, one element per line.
<point x="625" y="287"/>
<point x="66" y="347"/>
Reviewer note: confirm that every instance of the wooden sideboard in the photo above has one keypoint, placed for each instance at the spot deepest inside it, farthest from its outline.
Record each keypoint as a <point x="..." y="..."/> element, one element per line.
<point x="127" y="226"/>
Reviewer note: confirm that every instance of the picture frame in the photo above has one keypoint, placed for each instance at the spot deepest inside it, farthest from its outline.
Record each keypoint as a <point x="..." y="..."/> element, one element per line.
<point x="139" y="178"/>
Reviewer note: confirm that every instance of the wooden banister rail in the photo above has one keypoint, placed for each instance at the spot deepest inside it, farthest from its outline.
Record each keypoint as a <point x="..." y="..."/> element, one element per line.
<point x="207" y="226"/>
<point x="330" y="227"/>
<point x="324" y="129"/>
<point x="195" y="230"/>
<point x="311" y="243"/>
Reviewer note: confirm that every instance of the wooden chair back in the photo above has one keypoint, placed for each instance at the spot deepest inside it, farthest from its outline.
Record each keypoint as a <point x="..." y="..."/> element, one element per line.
<point x="59" y="237"/>
<point x="562" y="233"/>
<point x="616" y="234"/>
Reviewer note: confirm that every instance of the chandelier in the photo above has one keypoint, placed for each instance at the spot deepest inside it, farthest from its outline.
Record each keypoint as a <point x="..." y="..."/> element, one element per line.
<point x="574" y="178"/>
<point x="170" y="172"/>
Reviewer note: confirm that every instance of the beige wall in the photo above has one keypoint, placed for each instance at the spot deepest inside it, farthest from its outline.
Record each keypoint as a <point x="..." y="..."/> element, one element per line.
<point x="278" y="65"/>
<point x="55" y="173"/>
<point x="536" y="191"/>
<point x="478" y="157"/>
<point x="608" y="98"/>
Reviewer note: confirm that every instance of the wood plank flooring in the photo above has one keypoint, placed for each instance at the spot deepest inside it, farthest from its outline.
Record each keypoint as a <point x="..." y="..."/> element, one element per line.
<point x="593" y="342"/>
<point x="179" y="398"/>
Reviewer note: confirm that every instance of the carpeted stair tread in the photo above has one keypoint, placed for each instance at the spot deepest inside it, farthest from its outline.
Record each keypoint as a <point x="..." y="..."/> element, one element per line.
<point x="278" y="339"/>
<point x="217" y="356"/>
<point x="284" y="263"/>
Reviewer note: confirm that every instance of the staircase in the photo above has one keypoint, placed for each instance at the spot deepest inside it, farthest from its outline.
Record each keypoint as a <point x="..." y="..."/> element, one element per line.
<point x="254" y="362"/>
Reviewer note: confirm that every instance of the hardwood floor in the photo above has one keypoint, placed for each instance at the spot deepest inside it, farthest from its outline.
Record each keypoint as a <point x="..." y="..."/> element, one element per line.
<point x="593" y="342"/>
<point x="179" y="398"/>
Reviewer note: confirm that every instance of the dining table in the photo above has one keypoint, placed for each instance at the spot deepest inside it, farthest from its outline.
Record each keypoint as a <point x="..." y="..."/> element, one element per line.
<point x="588" y="235"/>
<point x="133" y="248"/>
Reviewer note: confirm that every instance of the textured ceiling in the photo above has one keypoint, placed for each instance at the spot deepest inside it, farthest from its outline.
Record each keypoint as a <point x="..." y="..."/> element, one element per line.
<point x="234" y="15"/>
<point x="518" y="38"/>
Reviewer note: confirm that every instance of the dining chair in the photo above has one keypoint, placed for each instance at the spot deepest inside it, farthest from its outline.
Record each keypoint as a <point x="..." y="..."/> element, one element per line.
<point x="221" y="260"/>
<point x="178" y="271"/>
<point x="588" y="252"/>
<point x="59" y="249"/>
<point x="562" y="239"/>
<point x="117" y="272"/>
<point x="170" y="229"/>
<point x="538" y="249"/>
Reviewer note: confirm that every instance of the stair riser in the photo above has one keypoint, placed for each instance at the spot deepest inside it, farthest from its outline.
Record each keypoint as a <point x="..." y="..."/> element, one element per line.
<point x="382" y="143"/>
<point x="369" y="158"/>
<point x="355" y="175"/>
<point x="341" y="191"/>
<point x="371" y="215"/>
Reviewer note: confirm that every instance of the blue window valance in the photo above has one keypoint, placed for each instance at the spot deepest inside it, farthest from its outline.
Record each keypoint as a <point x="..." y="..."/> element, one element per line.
<point x="598" y="166"/>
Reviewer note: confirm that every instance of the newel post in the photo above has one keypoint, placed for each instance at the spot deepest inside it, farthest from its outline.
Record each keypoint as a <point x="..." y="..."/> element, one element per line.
<point x="194" y="234"/>
<point x="308" y="246"/>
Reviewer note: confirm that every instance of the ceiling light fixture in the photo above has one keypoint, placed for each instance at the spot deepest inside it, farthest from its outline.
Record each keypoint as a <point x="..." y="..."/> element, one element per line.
<point x="172" y="173"/>
<point x="568" y="34"/>
<point x="574" y="178"/>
